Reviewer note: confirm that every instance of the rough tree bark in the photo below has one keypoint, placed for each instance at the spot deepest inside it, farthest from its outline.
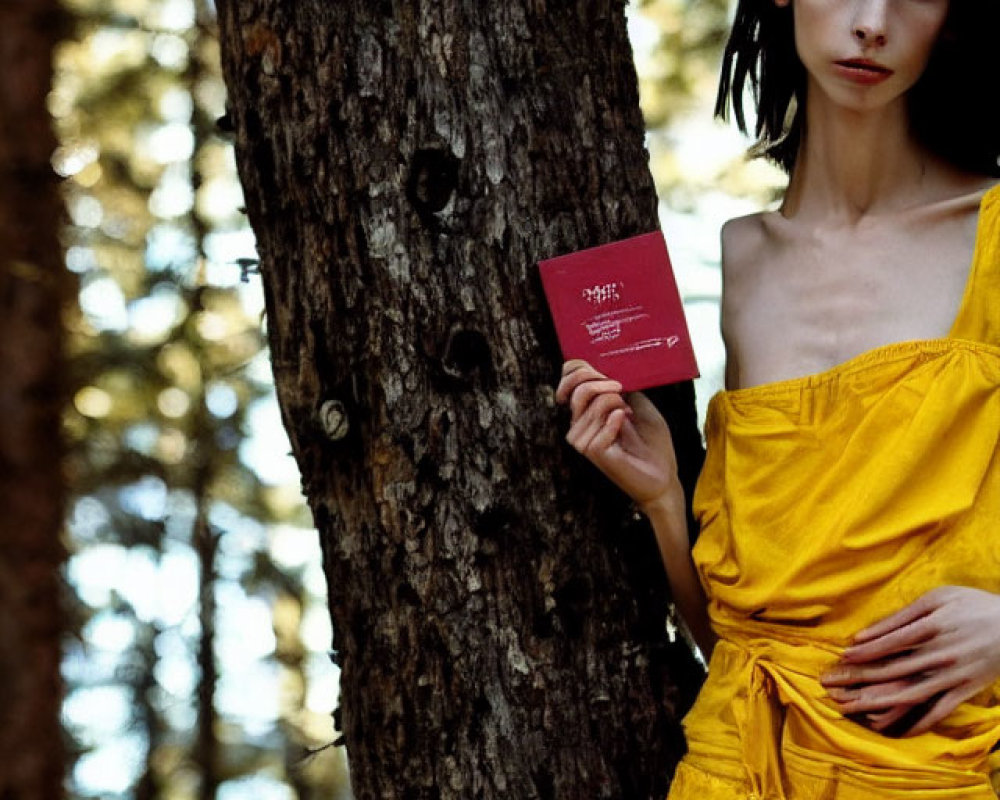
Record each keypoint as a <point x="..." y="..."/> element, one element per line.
<point x="33" y="287"/>
<point x="498" y="612"/>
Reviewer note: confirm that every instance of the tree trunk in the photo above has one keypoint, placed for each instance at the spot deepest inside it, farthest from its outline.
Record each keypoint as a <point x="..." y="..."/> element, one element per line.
<point x="498" y="612"/>
<point x="204" y="538"/>
<point x="33" y="287"/>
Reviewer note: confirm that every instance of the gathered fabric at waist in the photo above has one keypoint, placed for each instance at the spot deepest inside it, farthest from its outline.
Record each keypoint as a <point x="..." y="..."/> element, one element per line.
<point x="762" y="717"/>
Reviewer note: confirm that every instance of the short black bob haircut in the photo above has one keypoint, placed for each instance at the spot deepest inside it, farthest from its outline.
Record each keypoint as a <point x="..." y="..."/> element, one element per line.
<point x="954" y="107"/>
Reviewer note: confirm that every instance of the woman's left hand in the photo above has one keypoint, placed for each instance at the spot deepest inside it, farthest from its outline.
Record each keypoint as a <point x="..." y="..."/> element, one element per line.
<point x="937" y="652"/>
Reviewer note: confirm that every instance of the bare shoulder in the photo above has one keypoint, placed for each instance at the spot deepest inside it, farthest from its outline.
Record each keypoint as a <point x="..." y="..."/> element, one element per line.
<point x="744" y="241"/>
<point x="963" y="195"/>
<point x="744" y="247"/>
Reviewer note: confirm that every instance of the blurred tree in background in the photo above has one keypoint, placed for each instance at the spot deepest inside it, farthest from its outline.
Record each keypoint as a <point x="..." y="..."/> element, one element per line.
<point x="683" y="63"/>
<point x="188" y="677"/>
<point x="198" y="668"/>
<point x="678" y="83"/>
<point x="34" y="286"/>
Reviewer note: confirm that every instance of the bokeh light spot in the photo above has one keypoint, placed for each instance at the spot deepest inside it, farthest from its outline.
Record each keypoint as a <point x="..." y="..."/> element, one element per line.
<point x="173" y="402"/>
<point x="93" y="402"/>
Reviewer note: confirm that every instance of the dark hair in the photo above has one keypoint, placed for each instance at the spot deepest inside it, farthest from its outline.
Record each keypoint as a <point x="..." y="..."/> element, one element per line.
<point x="952" y="112"/>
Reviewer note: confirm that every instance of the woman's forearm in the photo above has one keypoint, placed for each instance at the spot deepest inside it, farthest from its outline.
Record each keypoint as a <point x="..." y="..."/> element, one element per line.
<point x="669" y="520"/>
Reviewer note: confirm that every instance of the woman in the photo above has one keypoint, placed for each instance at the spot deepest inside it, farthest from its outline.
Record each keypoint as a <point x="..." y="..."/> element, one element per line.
<point x="853" y="463"/>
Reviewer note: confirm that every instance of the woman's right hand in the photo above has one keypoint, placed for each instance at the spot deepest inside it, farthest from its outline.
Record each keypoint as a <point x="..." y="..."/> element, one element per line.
<point x="626" y="438"/>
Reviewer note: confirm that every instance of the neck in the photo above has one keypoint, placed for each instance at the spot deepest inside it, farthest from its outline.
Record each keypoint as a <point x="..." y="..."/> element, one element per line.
<point x="854" y="163"/>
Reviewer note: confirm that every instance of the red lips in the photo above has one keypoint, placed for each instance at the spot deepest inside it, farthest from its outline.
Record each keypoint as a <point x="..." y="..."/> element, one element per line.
<point x="862" y="70"/>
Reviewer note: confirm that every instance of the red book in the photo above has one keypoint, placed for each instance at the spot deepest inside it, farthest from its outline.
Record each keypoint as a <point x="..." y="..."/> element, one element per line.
<point x="617" y="307"/>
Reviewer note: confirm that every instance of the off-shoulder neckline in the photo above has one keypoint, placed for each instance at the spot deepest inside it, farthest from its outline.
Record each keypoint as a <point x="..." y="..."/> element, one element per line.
<point x="884" y="352"/>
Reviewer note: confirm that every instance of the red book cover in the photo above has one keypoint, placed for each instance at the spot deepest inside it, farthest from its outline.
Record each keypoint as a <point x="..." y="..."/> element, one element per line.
<point x="617" y="307"/>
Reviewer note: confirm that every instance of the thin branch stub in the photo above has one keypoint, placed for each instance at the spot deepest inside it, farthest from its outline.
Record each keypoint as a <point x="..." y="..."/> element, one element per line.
<point x="333" y="419"/>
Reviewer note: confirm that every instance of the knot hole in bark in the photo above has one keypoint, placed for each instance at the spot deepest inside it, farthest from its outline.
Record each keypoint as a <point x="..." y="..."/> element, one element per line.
<point x="544" y="783"/>
<point x="495" y="527"/>
<point x="467" y="357"/>
<point x="333" y="419"/>
<point x="421" y="793"/>
<point x="432" y="181"/>
<point x="573" y="605"/>
<point x="255" y="132"/>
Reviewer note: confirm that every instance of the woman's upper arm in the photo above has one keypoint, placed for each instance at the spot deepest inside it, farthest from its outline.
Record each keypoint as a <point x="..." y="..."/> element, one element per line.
<point x="731" y="236"/>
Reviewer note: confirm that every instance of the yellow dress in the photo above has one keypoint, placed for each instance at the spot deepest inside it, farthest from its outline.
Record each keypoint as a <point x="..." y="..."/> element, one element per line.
<point x="826" y="503"/>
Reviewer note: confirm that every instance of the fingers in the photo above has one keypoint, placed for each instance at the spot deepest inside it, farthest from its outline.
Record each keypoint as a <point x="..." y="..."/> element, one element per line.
<point x="642" y="407"/>
<point x="574" y="364"/>
<point x="582" y="386"/>
<point x="910" y="665"/>
<point x="594" y="419"/>
<point x="879" y="698"/>
<point x="917" y="609"/>
<point x="608" y="434"/>
<point x="574" y="373"/>
<point x="880" y="721"/>
<point x="892" y="640"/>
<point x="914" y="668"/>
<point x="947" y="703"/>
<point x="585" y="394"/>
<point x="884" y="696"/>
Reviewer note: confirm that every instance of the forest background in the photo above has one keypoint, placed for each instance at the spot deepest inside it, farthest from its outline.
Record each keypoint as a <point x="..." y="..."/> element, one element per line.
<point x="195" y="659"/>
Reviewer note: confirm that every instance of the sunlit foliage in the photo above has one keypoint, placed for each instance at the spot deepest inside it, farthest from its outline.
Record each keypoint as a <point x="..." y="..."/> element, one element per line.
<point x="679" y="47"/>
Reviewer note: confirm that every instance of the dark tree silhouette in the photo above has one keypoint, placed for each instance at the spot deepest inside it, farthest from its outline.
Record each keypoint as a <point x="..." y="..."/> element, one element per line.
<point x="33" y="288"/>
